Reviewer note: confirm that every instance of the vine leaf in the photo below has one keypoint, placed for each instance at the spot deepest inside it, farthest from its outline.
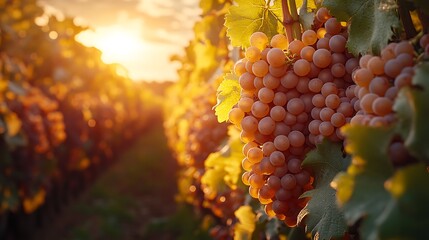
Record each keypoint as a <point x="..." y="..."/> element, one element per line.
<point x="403" y="219"/>
<point x="223" y="168"/>
<point x="413" y="113"/>
<point x="360" y="190"/>
<point x="371" y="23"/>
<point x="228" y="94"/>
<point x="307" y="13"/>
<point x="321" y="214"/>
<point x="251" y="16"/>
<point x="247" y="223"/>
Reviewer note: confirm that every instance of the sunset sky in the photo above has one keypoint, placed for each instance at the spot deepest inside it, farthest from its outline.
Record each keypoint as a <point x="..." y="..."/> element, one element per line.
<point x="139" y="34"/>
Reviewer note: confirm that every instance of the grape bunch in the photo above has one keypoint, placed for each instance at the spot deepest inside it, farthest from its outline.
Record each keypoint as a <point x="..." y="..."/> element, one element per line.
<point x="292" y="96"/>
<point x="379" y="79"/>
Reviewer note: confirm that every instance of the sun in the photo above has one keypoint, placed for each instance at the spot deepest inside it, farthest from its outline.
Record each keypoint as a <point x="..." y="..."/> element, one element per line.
<point x="117" y="45"/>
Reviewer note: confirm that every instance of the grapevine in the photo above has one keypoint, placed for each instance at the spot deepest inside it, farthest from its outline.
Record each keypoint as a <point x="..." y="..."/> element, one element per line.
<point x="329" y="99"/>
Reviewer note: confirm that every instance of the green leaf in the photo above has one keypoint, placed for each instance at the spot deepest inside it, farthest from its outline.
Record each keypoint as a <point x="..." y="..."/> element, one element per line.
<point x="321" y="214"/>
<point x="246" y="223"/>
<point x="250" y="16"/>
<point x="371" y="23"/>
<point x="412" y="109"/>
<point x="406" y="215"/>
<point x="360" y="191"/>
<point x="306" y="14"/>
<point x="228" y="95"/>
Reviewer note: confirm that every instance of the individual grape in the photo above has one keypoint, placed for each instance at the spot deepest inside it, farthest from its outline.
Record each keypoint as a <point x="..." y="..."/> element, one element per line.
<point x="255" y="155"/>
<point x="332" y="26"/>
<point x="424" y="41"/>
<point x="274" y="182"/>
<point x="280" y="99"/>
<point x="282" y="143"/>
<point x="338" y="70"/>
<point x="376" y="65"/>
<point x="303" y="178"/>
<point x="268" y="148"/>
<point x="260" y="68"/>
<point x="266" y="125"/>
<point x="326" y="128"/>
<point x="236" y="115"/>
<point x="367" y="101"/>
<point x="283" y="195"/>
<point x="329" y="88"/>
<point x="258" y="83"/>
<point x="301" y="67"/>
<point x="277" y="158"/>
<point x="279" y="41"/>
<point x="323" y="15"/>
<point x="307" y="53"/>
<point x="288" y="181"/>
<point x="338" y="120"/>
<point x="278" y="113"/>
<point x="245" y="104"/>
<point x="266" y="166"/>
<point x="391" y="68"/>
<point x="259" y="40"/>
<point x="323" y="43"/>
<point x="296" y="138"/>
<point x="332" y="101"/>
<point x="276" y="57"/>
<point x="246" y="81"/>
<point x="295" y="106"/>
<point x="295" y="47"/>
<point x="337" y="44"/>
<point x="379" y="86"/>
<point x="240" y="67"/>
<point x="266" y="95"/>
<point x="322" y="58"/>
<point x="253" y="54"/>
<point x="294" y="165"/>
<point x="270" y="81"/>
<point x="256" y="180"/>
<point x="246" y="164"/>
<point x="382" y="106"/>
<point x="309" y="37"/>
<point x="247" y="147"/>
<point x="249" y="124"/>
<point x="260" y="109"/>
<point x="404" y="47"/>
<point x="326" y="114"/>
<point x="315" y="85"/>
<point x="245" y="178"/>
<point x="362" y="77"/>
<point x="313" y="127"/>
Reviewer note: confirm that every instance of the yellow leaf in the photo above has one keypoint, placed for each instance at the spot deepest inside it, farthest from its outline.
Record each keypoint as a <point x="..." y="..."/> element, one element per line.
<point x="228" y="95"/>
<point x="246" y="225"/>
<point x="13" y="124"/>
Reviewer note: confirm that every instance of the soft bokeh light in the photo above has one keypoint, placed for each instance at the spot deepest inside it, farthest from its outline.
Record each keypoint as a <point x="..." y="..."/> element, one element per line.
<point x="140" y="35"/>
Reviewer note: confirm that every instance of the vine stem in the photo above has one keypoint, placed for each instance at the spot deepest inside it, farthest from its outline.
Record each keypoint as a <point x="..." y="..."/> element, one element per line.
<point x="290" y="18"/>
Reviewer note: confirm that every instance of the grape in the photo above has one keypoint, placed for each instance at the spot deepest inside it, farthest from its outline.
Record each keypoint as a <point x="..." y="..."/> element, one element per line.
<point x="260" y="68"/>
<point x="253" y="54"/>
<point x="295" y="106"/>
<point x="276" y="57"/>
<point x="266" y="95"/>
<point x="323" y="15"/>
<point x="301" y="67"/>
<point x="307" y="53"/>
<point x="296" y="138"/>
<point x="277" y="158"/>
<point x="337" y="43"/>
<point x="260" y="109"/>
<point x="278" y="113"/>
<point x="288" y="181"/>
<point x="266" y="125"/>
<point x="289" y="80"/>
<point x="309" y="37"/>
<point x="249" y="124"/>
<point x="246" y="81"/>
<point x="332" y="26"/>
<point x="245" y="104"/>
<point x="281" y="142"/>
<point x="322" y="58"/>
<point x="296" y="46"/>
<point x="235" y="115"/>
<point x="259" y="40"/>
<point x="279" y="41"/>
<point x="382" y="106"/>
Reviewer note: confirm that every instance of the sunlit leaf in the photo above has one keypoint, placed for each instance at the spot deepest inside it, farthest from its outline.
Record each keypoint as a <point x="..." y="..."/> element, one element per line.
<point x="246" y="223"/>
<point x="406" y="215"/>
<point x="364" y="181"/>
<point x="228" y="95"/>
<point x="13" y="124"/>
<point x="250" y="16"/>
